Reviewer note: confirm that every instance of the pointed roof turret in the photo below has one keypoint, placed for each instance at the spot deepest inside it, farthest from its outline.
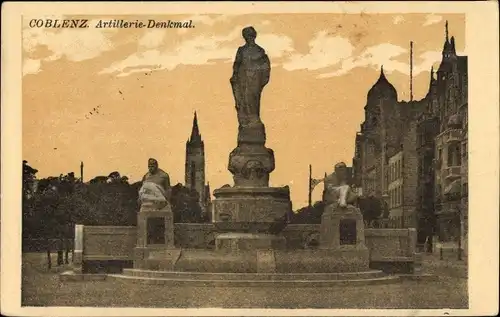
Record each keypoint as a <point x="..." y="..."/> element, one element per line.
<point x="452" y="44"/>
<point x="195" y="131"/>
<point x="446" y="30"/>
<point x="382" y="89"/>
<point x="432" y="81"/>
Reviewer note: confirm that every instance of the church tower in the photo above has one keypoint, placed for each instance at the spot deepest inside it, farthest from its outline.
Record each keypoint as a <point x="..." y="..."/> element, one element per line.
<point x="195" y="165"/>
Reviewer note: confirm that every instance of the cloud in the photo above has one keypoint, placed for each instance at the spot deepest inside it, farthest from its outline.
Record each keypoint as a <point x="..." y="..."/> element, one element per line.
<point x="31" y="66"/>
<point x="209" y="20"/>
<point x="199" y="50"/>
<point x="374" y="56"/>
<point x="195" y="51"/>
<point x="275" y="45"/>
<point x="74" y="44"/>
<point x="432" y="19"/>
<point x="324" y="51"/>
<point x="425" y="61"/>
<point x="152" y="38"/>
<point x="398" y="19"/>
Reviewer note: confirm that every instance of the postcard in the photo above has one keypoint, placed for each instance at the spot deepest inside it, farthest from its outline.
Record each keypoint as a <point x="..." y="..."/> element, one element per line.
<point x="250" y="158"/>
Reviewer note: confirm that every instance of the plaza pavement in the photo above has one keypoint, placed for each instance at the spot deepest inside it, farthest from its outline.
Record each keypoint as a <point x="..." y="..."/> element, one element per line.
<point x="43" y="288"/>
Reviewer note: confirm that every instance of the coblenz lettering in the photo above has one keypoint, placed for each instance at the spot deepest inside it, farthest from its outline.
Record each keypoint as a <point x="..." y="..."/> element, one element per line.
<point x="59" y="24"/>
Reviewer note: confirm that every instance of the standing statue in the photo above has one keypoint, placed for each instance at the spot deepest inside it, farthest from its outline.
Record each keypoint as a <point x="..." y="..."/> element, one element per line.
<point x="251" y="72"/>
<point x="339" y="192"/>
<point x="155" y="187"/>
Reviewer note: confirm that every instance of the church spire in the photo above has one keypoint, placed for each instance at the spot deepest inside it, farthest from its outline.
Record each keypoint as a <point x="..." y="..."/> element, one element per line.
<point x="195" y="132"/>
<point x="446" y="30"/>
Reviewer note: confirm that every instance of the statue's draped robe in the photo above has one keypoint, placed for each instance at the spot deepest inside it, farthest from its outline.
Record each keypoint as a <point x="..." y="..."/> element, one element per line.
<point x="155" y="188"/>
<point x="251" y="72"/>
<point x="338" y="192"/>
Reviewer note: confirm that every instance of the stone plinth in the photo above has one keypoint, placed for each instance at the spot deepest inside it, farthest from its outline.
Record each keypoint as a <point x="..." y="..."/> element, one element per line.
<point x="234" y="241"/>
<point x="342" y="236"/>
<point x="342" y="228"/>
<point x="155" y="231"/>
<point x="249" y="219"/>
<point x="259" y="205"/>
<point x="263" y="261"/>
<point x="251" y="165"/>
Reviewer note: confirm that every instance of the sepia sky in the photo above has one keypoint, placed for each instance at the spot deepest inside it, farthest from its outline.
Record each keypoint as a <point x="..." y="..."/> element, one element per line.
<point x="147" y="83"/>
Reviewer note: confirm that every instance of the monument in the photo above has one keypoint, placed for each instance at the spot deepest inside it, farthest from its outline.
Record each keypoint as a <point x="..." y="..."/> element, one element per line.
<point x="342" y="224"/>
<point x="250" y="214"/>
<point x="155" y="220"/>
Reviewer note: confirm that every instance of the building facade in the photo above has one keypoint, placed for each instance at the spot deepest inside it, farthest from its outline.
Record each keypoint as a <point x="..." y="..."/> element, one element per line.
<point x="414" y="154"/>
<point x="195" y="167"/>
<point x="385" y="159"/>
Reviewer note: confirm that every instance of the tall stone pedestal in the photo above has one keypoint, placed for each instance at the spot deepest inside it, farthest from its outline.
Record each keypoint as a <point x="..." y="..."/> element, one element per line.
<point x="248" y="206"/>
<point x="155" y="233"/>
<point x="249" y="221"/>
<point x="251" y="218"/>
<point x="342" y="230"/>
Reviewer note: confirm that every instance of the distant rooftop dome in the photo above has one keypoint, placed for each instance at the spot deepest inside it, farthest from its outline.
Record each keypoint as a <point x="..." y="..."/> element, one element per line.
<point x="382" y="89"/>
<point x="455" y="121"/>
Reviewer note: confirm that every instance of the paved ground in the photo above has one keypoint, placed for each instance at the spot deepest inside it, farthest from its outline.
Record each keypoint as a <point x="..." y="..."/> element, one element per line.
<point x="448" y="266"/>
<point x="42" y="288"/>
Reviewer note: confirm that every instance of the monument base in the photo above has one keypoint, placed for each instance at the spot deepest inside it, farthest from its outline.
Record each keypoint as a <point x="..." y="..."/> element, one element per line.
<point x="243" y="209"/>
<point x="234" y="241"/>
<point x="155" y="233"/>
<point x="260" y="261"/>
<point x="342" y="228"/>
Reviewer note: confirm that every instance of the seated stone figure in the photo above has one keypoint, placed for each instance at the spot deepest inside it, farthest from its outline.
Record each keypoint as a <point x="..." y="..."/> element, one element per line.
<point x="339" y="192"/>
<point x="155" y="189"/>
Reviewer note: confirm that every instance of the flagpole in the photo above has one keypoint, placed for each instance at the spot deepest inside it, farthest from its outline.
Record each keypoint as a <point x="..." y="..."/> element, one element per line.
<point x="310" y="183"/>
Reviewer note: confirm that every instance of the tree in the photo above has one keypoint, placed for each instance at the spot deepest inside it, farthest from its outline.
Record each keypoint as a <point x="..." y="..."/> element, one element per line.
<point x="29" y="177"/>
<point x="371" y="207"/>
<point x="308" y="215"/>
<point x="185" y="205"/>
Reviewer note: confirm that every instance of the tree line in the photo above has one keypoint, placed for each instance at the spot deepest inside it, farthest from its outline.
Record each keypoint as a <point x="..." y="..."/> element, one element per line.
<point x="371" y="207"/>
<point x="51" y="206"/>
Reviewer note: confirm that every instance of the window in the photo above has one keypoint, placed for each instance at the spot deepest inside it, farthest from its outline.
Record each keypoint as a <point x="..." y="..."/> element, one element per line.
<point x="454" y="155"/>
<point x="397" y="196"/>
<point x="400" y="201"/>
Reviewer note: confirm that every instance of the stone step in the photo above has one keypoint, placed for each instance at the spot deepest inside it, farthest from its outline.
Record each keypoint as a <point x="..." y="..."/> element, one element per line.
<point x="254" y="283"/>
<point x="253" y="276"/>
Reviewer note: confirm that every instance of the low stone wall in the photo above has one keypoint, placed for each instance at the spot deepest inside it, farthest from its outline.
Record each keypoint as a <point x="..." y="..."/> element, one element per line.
<point x="385" y="244"/>
<point x="390" y="249"/>
<point x="194" y="235"/>
<point x="102" y="243"/>
<point x="393" y="250"/>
